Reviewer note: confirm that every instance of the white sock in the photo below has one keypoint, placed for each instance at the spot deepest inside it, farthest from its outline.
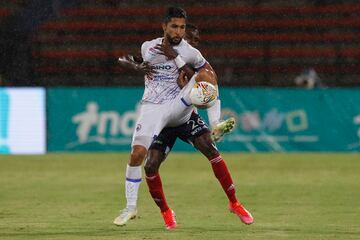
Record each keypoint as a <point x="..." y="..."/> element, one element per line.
<point x="214" y="113"/>
<point x="132" y="183"/>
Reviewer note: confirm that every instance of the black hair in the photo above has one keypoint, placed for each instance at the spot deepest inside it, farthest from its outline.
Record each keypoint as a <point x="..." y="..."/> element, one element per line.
<point x="191" y="27"/>
<point x="174" y="12"/>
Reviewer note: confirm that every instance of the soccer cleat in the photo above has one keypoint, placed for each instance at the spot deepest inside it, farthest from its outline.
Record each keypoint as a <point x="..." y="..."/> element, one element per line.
<point x="169" y="219"/>
<point x="242" y="213"/>
<point x="222" y="128"/>
<point x="125" y="215"/>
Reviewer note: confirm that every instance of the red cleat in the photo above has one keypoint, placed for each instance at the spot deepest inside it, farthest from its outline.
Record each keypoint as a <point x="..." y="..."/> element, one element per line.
<point x="169" y="219"/>
<point x="242" y="213"/>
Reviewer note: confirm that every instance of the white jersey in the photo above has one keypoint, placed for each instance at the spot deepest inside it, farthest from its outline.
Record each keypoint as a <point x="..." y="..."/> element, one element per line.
<point x="154" y="117"/>
<point x="163" y="86"/>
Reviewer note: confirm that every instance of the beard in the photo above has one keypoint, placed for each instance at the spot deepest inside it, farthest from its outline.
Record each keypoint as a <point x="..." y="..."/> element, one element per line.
<point x="173" y="40"/>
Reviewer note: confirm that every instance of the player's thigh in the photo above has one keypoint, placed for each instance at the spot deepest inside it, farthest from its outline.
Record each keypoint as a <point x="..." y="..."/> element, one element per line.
<point x="165" y="141"/>
<point x="151" y="120"/>
<point x="205" y="145"/>
<point x="193" y="129"/>
<point x="181" y="108"/>
<point x="153" y="160"/>
<point x="159" y="149"/>
<point x="185" y="91"/>
<point x="196" y="132"/>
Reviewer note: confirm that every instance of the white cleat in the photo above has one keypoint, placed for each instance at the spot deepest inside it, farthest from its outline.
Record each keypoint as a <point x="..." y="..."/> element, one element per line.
<point x="222" y="128"/>
<point x="125" y="215"/>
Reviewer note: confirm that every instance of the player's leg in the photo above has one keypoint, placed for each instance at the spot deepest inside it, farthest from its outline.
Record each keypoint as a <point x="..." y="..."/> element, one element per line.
<point x="219" y="127"/>
<point x="158" y="151"/>
<point x="206" y="146"/>
<point x="196" y="132"/>
<point x="222" y="128"/>
<point x="153" y="179"/>
<point x="148" y="120"/>
<point x="132" y="184"/>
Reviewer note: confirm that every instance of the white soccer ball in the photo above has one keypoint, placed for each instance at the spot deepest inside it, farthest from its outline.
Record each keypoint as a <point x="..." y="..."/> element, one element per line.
<point x="203" y="95"/>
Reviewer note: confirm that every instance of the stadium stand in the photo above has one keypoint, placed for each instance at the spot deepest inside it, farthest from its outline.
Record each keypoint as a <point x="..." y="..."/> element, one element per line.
<point x="248" y="45"/>
<point x="8" y="10"/>
<point x="4" y="12"/>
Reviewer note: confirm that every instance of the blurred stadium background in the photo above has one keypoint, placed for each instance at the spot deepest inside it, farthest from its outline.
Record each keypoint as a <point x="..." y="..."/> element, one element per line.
<point x="289" y="73"/>
<point x="250" y="43"/>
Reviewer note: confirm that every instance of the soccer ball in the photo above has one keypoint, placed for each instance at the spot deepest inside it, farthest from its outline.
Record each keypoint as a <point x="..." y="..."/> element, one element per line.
<point x="203" y="95"/>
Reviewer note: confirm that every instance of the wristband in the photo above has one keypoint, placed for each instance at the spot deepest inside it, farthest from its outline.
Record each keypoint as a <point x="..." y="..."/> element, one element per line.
<point x="179" y="61"/>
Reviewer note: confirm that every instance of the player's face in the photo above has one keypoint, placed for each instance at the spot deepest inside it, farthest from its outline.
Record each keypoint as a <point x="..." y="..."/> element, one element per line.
<point x="193" y="38"/>
<point x="174" y="30"/>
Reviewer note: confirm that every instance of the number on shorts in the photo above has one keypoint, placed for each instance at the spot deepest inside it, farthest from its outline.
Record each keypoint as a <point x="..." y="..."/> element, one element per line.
<point x="193" y="123"/>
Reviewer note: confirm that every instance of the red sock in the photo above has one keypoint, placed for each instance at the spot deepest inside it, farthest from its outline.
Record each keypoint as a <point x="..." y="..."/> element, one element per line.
<point x="222" y="174"/>
<point x="156" y="191"/>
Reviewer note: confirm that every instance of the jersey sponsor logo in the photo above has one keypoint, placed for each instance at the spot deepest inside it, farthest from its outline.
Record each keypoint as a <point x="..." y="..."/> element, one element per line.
<point x="162" y="67"/>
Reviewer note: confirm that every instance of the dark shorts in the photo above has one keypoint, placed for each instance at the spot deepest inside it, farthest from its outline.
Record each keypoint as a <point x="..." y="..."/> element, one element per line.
<point x="187" y="132"/>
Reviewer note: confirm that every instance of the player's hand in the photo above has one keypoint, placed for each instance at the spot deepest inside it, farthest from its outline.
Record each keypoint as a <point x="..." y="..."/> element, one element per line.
<point x="143" y="67"/>
<point x="146" y="69"/>
<point x="182" y="79"/>
<point x="166" y="49"/>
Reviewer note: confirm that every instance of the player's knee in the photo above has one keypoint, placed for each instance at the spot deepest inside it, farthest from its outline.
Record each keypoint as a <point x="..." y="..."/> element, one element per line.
<point x="153" y="161"/>
<point x="205" y="145"/>
<point x="210" y="150"/>
<point x="137" y="156"/>
<point x="150" y="166"/>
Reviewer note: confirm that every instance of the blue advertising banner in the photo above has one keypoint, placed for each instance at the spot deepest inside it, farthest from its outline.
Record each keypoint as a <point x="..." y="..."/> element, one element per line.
<point x="22" y="121"/>
<point x="91" y="119"/>
<point x="293" y="119"/>
<point x="103" y="119"/>
<point x="4" y="120"/>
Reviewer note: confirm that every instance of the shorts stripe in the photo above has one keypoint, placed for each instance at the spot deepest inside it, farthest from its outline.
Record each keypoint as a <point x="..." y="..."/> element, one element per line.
<point x="184" y="102"/>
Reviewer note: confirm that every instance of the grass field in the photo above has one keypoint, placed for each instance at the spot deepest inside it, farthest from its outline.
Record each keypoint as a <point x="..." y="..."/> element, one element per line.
<point x="77" y="196"/>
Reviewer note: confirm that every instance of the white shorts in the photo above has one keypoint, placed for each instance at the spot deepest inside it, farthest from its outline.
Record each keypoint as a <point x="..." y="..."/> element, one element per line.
<point x="154" y="117"/>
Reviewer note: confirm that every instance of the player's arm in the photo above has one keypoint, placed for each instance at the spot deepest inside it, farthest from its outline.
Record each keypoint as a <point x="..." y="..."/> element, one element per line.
<point x="205" y="70"/>
<point x="168" y="51"/>
<point x="182" y="80"/>
<point x="135" y="63"/>
<point x="208" y="74"/>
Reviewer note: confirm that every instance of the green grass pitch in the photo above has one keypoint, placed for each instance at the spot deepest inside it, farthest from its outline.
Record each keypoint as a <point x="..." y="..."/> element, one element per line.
<point x="77" y="196"/>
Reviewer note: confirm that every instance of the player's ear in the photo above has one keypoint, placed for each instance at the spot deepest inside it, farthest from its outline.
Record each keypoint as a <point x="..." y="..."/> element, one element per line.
<point x="163" y="26"/>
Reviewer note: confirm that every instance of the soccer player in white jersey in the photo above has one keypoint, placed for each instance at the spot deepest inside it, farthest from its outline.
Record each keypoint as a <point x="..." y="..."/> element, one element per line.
<point x="161" y="74"/>
<point x="161" y="90"/>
